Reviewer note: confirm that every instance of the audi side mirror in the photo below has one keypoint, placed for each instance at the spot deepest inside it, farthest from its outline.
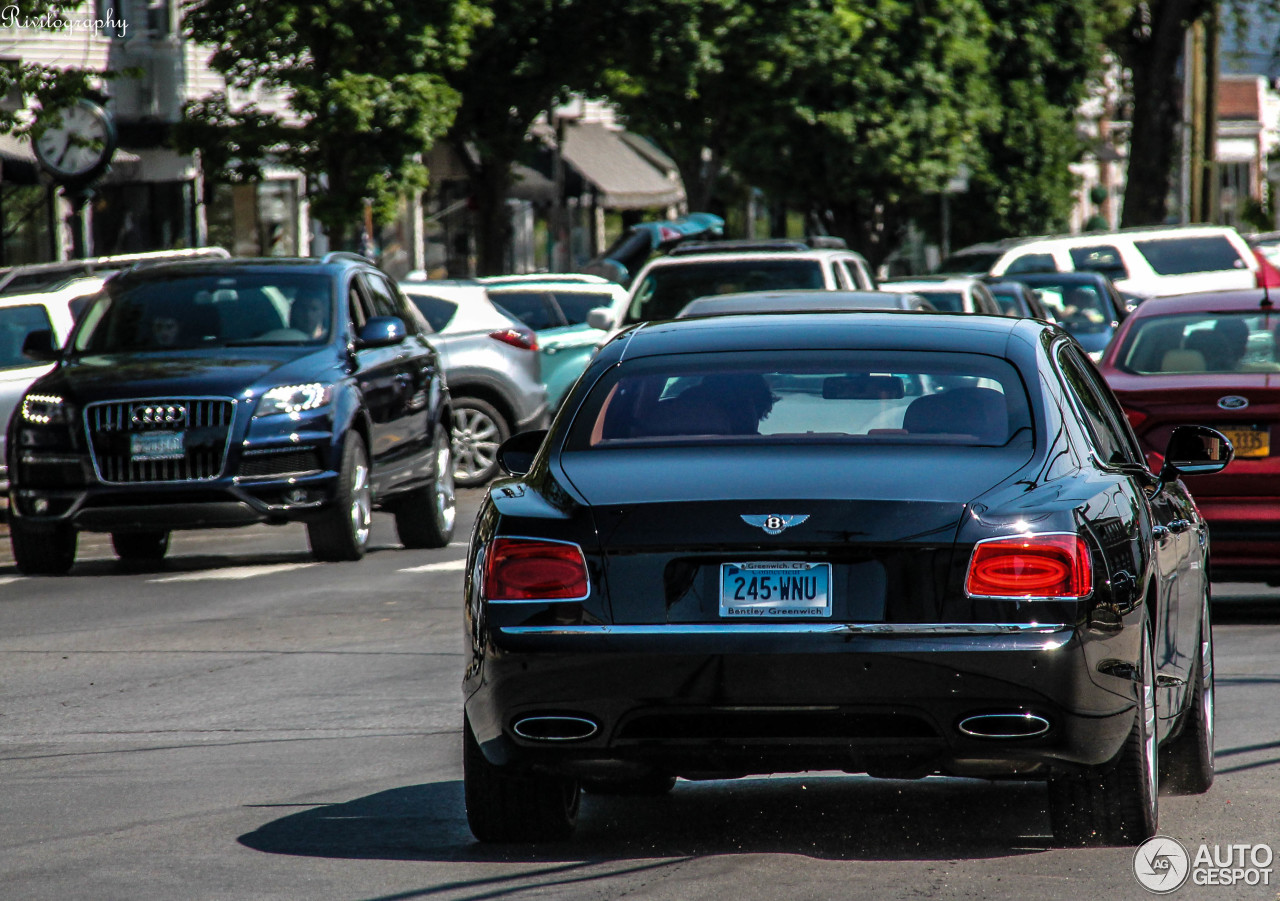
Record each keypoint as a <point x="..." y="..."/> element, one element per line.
<point x="381" y="331"/>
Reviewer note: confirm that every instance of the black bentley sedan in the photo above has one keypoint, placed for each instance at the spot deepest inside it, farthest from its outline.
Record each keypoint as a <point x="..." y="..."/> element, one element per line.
<point x="884" y="544"/>
<point x="224" y="393"/>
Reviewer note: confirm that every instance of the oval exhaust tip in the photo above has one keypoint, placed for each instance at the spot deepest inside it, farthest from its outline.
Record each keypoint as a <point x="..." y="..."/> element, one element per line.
<point x="555" y="728"/>
<point x="1004" y="725"/>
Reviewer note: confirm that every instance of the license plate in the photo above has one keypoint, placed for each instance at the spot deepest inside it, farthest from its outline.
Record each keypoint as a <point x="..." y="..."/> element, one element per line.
<point x="1250" y="442"/>
<point x="775" y="590"/>
<point x="156" y="446"/>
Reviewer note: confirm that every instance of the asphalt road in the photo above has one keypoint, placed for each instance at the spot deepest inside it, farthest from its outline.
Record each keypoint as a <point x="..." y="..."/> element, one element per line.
<point x="247" y="724"/>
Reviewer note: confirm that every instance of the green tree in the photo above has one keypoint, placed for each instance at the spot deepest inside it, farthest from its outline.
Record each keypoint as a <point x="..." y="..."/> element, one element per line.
<point x="366" y="87"/>
<point x="49" y="87"/>
<point x="533" y="55"/>
<point x="1046" y="57"/>
<point x="887" y="101"/>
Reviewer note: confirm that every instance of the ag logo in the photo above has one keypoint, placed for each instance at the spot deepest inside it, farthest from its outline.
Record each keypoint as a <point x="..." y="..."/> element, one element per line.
<point x="775" y="523"/>
<point x="1233" y="402"/>
<point x="1161" y="864"/>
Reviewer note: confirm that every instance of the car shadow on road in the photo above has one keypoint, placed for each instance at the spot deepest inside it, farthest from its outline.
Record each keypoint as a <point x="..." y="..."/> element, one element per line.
<point x="820" y="816"/>
<point x="187" y="563"/>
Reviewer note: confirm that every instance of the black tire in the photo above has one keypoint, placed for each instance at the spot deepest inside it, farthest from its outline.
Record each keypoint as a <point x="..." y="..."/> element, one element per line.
<point x="650" y="786"/>
<point x="140" y="547"/>
<point x="1186" y="763"/>
<point x="342" y="532"/>
<point x="478" y="431"/>
<point x="515" y="807"/>
<point x="1120" y="805"/>
<point x="425" y="517"/>
<point x="41" y="550"/>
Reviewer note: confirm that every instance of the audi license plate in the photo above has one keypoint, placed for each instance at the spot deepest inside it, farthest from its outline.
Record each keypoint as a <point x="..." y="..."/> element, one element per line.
<point x="775" y="589"/>
<point x="146" y="446"/>
<point x="1250" y="442"/>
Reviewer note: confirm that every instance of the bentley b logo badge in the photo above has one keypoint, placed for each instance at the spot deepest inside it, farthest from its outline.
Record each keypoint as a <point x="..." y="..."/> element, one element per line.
<point x="1233" y="402"/>
<point x="774" y="523"/>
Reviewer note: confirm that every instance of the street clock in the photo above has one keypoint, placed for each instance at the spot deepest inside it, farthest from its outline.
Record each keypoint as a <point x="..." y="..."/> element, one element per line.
<point x="77" y="142"/>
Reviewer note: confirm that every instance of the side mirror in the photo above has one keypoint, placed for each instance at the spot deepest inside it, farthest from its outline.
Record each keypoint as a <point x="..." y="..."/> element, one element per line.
<point x="517" y="452"/>
<point x="39" y="346"/>
<point x="381" y="331"/>
<point x="601" y="318"/>
<point x="1195" y="450"/>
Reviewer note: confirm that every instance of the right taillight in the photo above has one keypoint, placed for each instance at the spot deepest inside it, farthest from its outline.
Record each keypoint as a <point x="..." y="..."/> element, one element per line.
<point x="523" y="338"/>
<point x="1030" y="567"/>
<point x="528" y="569"/>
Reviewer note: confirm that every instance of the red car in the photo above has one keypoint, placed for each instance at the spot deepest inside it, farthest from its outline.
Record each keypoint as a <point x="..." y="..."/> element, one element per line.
<point x="1214" y="359"/>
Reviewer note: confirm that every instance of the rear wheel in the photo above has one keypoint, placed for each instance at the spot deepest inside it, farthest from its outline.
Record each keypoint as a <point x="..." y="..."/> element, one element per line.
<point x="426" y="516"/>
<point x="42" y="550"/>
<point x="515" y="807"/>
<point x="1187" y="762"/>
<point x="140" y="547"/>
<point x="478" y="431"/>
<point x="1118" y="806"/>
<point x="342" y="533"/>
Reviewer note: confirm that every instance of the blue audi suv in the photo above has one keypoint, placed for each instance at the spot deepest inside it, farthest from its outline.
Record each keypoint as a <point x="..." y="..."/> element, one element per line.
<point x="213" y="394"/>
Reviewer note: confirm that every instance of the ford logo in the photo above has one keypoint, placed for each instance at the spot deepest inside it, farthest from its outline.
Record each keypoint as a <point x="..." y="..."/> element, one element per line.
<point x="157" y="414"/>
<point x="1233" y="402"/>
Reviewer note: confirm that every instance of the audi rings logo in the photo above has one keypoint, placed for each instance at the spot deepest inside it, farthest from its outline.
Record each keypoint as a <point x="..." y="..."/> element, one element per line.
<point x="157" y="414"/>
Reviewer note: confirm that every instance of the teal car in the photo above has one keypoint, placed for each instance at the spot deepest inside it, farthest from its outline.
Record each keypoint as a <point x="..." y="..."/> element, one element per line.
<point x="557" y="312"/>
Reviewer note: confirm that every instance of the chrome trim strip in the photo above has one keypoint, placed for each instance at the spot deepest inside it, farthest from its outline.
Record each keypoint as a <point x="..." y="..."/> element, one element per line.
<point x="893" y="629"/>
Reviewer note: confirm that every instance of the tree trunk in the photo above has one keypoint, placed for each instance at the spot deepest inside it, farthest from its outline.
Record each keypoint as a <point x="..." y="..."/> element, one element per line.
<point x="1152" y="56"/>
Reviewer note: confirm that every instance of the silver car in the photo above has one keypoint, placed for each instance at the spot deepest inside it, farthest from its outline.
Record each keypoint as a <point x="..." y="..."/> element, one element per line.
<point x="20" y="315"/>
<point x="491" y="364"/>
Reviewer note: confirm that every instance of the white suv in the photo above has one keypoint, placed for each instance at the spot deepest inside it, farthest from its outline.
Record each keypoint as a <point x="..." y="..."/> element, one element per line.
<point x="1148" y="262"/>
<point x="667" y="284"/>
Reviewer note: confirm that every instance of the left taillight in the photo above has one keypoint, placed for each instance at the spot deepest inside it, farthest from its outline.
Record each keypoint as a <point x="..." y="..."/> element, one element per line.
<point x="1031" y="566"/>
<point x="523" y="338"/>
<point x="528" y="569"/>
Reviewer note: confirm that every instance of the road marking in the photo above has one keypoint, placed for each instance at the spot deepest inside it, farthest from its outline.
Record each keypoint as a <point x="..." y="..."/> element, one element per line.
<point x="447" y="566"/>
<point x="5" y="580"/>
<point x="234" y="572"/>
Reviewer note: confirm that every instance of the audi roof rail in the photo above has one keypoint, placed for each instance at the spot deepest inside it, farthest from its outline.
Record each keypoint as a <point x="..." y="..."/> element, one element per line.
<point x="335" y="255"/>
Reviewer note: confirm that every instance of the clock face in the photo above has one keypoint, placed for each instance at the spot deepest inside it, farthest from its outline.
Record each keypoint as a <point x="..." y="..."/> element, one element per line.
<point x="78" y="141"/>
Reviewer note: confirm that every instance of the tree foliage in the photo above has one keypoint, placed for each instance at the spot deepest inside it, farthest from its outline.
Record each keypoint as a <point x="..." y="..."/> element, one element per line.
<point x="50" y="87"/>
<point x="532" y="55"/>
<point x="366" y="87"/>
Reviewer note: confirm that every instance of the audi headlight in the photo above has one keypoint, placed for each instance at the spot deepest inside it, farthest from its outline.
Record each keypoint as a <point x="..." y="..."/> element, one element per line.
<point x="45" y="409"/>
<point x="294" y="399"/>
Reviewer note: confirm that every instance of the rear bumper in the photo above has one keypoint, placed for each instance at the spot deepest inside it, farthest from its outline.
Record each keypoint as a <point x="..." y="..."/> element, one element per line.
<point x="713" y="702"/>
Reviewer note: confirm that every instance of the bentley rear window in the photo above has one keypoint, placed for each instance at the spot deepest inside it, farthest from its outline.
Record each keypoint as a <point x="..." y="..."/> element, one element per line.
<point x="850" y="396"/>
